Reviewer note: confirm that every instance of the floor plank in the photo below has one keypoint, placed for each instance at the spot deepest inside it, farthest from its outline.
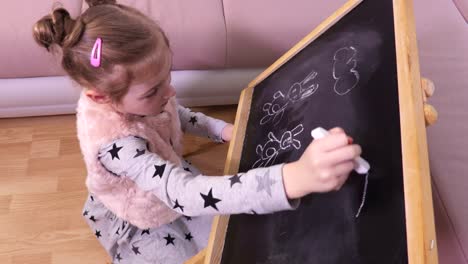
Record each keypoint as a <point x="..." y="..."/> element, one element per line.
<point x="42" y="188"/>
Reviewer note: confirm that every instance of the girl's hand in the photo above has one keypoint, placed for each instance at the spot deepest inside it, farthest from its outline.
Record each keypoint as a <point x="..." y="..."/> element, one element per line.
<point x="226" y="134"/>
<point x="324" y="166"/>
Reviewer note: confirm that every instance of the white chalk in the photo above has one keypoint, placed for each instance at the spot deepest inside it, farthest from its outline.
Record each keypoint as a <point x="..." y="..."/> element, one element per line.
<point x="361" y="166"/>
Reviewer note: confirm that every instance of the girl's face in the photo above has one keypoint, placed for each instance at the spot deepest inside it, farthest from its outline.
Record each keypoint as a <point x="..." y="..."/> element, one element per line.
<point x="149" y="97"/>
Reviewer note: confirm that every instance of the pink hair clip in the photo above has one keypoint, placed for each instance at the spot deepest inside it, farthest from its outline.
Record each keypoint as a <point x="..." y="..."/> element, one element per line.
<point x="96" y="53"/>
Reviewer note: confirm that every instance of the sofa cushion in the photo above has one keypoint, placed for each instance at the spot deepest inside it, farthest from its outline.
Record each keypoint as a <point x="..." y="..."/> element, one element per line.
<point x="25" y="58"/>
<point x="256" y="38"/>
<point x="195" y="30"/>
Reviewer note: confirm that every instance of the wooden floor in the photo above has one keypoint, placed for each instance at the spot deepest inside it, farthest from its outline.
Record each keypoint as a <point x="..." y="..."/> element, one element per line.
<point x="42" y="189"/>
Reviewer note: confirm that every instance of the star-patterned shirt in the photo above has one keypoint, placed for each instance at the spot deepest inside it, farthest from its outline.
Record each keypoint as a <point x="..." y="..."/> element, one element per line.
<point x="186" y="191"/>
<point x="200" y="125"/>
<point x="259" y="190"/>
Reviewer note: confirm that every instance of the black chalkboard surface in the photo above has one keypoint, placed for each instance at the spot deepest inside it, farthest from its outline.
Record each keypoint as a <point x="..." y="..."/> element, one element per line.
<point x="346" y="77"/>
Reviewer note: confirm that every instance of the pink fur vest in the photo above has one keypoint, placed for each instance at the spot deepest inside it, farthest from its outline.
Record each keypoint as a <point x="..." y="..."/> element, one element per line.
<point x="98" y="125"/>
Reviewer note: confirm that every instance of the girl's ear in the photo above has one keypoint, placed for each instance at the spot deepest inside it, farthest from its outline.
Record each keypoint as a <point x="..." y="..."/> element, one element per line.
<point x="97" y="96"/>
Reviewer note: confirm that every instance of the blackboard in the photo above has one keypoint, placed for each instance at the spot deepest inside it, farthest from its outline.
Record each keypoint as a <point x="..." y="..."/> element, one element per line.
<point x="346" y="77"/>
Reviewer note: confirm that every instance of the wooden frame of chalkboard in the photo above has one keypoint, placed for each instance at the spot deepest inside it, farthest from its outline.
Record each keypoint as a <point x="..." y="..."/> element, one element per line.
<point x="421" y="246"/>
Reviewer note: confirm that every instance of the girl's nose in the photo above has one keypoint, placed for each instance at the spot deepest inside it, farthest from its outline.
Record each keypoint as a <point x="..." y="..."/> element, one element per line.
<point x="170" y="92"/>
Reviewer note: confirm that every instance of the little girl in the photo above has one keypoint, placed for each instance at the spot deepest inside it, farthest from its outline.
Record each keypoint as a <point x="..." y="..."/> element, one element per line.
<point x="146" y="204"/>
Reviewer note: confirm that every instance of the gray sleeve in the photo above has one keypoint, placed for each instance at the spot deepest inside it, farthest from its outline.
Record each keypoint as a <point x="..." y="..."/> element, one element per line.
<point x="258" y="191"/>
<point x="200" y="124"/>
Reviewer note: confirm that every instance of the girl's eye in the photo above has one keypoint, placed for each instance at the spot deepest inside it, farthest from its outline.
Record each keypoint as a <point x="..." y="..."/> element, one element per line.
<point x="155" y="90"/>
<point x="150" y="95"/>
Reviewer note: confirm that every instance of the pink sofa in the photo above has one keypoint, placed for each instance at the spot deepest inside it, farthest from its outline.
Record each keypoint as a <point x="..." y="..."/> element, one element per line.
<point x="220" y="45"/>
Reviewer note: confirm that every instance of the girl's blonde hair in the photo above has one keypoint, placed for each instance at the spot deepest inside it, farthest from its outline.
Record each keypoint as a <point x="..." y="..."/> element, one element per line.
<point x="133" y="45"/>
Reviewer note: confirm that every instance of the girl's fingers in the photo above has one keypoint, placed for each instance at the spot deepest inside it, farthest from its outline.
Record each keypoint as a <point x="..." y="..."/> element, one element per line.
<point x="338" y="187"/>
<point x="344" y="168"/>
<point x="336" y="130"/>
<point x="332" y="142"/>
<point x="342" y="178"/>
<point x="340" y="155"/>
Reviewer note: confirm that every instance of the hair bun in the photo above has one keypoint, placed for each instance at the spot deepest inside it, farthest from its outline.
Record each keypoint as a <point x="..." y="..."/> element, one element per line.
<point x="63" y="24"/>
<point x="100" y="2"/>
<point x="53" y="28"/>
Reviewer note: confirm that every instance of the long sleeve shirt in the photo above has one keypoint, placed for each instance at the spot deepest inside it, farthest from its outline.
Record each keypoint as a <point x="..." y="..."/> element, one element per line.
<point x="185" y="190"/>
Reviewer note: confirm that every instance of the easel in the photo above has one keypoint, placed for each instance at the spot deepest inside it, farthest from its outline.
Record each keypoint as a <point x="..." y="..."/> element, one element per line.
<point x="415" y="113"/>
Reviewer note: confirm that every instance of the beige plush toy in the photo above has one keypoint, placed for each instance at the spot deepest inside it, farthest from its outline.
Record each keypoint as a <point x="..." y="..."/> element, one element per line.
<point x="430" y="113"/>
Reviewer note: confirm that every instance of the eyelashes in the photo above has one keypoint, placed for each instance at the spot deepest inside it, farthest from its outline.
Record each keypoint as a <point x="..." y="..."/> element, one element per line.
<point x="155" y="90"/>
<point x="158" y="87"/>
